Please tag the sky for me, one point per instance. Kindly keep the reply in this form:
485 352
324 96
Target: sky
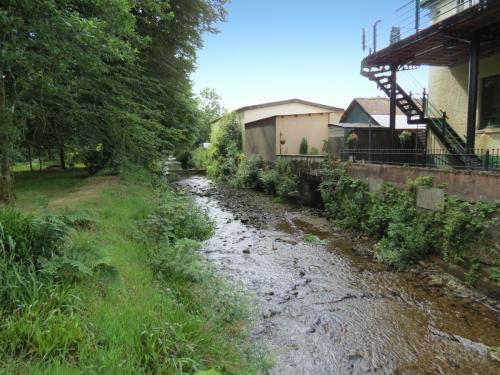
271 50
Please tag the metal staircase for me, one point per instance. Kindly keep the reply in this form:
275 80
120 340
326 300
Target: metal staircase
415 112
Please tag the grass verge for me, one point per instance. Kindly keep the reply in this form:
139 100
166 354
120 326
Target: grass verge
157 307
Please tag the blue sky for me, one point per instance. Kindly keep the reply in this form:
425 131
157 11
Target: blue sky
278 49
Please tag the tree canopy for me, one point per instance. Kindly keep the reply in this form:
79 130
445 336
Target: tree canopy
91 76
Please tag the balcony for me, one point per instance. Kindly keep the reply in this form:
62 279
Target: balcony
435 32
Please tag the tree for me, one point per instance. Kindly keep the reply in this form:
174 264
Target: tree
91 75
304 147
211 109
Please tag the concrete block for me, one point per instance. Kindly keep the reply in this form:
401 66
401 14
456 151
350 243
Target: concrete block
430 198
375 185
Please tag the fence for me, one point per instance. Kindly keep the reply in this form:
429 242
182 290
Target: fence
486 160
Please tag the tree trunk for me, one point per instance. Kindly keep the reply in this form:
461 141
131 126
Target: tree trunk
40 159
61 156
30 157
6 183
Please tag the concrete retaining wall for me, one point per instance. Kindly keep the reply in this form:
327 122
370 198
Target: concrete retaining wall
467 185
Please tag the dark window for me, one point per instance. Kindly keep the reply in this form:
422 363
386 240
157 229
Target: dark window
490 111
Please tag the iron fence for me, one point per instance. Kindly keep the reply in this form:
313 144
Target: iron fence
485 160
411 18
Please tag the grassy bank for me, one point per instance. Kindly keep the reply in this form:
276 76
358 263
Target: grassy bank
131 294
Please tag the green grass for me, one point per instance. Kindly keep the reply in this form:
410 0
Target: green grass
34 190
139 323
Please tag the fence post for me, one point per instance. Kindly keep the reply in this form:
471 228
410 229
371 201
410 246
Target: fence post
487 160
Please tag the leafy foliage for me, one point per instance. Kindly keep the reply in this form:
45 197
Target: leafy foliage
248 174
40 313
109 81
405 234
225 150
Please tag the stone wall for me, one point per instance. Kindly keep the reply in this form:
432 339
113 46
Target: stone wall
467 185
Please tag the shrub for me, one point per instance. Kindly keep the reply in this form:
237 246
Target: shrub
226 147
403 244
176 218
26 238
314 151
346 199
248 174
201 158
269 180
96 159
304 147
178 261
288 187
405 138
392 205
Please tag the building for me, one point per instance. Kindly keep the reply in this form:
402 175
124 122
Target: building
374 112
282 135
460 41
369 119
288 121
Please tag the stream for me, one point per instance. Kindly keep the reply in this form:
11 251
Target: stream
324 307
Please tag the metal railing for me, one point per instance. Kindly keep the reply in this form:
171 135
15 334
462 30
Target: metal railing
480 159
412 17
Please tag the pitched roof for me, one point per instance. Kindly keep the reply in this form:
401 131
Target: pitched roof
372 106
289 101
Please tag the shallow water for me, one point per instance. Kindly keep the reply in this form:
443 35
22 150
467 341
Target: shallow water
324 310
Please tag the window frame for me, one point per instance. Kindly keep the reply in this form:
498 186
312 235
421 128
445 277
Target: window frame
482 124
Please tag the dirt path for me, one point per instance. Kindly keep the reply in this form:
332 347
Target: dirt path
324 310
90 191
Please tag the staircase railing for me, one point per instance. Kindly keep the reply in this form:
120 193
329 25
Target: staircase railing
424 112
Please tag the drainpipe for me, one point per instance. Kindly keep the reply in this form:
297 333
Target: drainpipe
472 93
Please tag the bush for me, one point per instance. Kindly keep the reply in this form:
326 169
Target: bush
346 199
304 147
96 159
281 181
288 187
201 158
314 151
248 174
405 234
226 147
176 218
392 205
404 244
270 179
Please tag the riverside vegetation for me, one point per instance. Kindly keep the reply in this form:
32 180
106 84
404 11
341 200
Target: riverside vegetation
463 233
114 282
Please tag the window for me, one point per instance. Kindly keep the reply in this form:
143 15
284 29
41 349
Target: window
490 109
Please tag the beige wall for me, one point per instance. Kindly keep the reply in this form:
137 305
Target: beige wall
445 8
448 92
260 139
335 117
314 127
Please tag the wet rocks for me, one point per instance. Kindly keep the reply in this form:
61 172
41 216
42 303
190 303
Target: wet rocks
246 251
362 249
435 281
269 314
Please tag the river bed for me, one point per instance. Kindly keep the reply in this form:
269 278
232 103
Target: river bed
326 309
